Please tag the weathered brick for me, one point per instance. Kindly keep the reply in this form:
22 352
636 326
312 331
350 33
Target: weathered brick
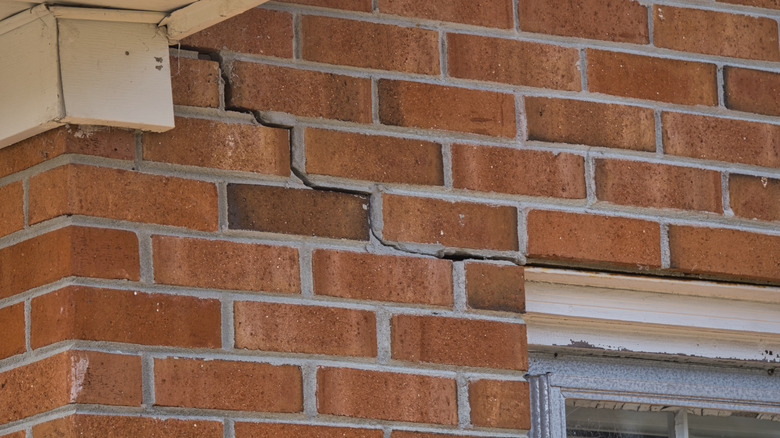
752 91
712 138
457 341
70 377
513 62
519 172
660 79
351 5
621 20
495 287
410 434
256 31
344 42
373 157
106 426
298 211
275 430
11 208
723 252
458 224
386 396
489 13
771 4
755 197
715 33
300 92
590 123
123 195
85 313
195 82
496 403
219 384
18 434
584 238
430 106
382 277
225 265
220 145
658 185
305 329
69 251
87 140
12 321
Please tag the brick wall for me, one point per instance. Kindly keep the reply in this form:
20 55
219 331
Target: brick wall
332 240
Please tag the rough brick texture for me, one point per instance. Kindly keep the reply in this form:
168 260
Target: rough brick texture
491 13
352 5
755 197
257 31
752 91
495 287
195 82
105 426
273 430
12 321
11 208
495 403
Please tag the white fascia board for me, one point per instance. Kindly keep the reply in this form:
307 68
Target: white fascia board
203 14
631 314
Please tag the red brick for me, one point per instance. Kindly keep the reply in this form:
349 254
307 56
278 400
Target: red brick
513 62
752 91
490 13
123 195
771 4
12 321
430 106
225 265
715 33
755 197
300 92
352 5
518 172
496 403
712 138
11 208
456 341
458 224
305 329
721 252
275 430
219 384
69 251
408 434
70 377
590 123
584 238
658 185
621 20
298 211
19 434
642 77
256 31
195 82
105 426
386 396
344 42
382 277
85 313
87 140
219 145
373 157
495 287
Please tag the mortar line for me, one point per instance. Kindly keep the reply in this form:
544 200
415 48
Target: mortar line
297 36
375 101
28 324
446 161
227 324
229 428
464 409
583 70
651 24
306 266
309 376
725 182
659 134
383 333
145 256
721 84
222 206
666 261
147 373
26 201
460 299
443 55
590 180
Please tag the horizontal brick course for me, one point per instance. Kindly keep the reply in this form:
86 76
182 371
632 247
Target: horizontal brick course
755 197
123 195
431 106
85 313
225 265
382 277
352 5
275 430
496 403
11 208
298 211
373 157
456 341
256 31
219 384
772 4
513 62
386 396
12 321
621 21
195 82
305 329
752 91
106 426
518 172
344 42
490 13
457 224
495 287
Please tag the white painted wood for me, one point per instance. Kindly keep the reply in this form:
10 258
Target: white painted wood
109 15
115 74
681 424
203 14
9 8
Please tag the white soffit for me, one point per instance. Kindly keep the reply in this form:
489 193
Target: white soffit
97 62
631 314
